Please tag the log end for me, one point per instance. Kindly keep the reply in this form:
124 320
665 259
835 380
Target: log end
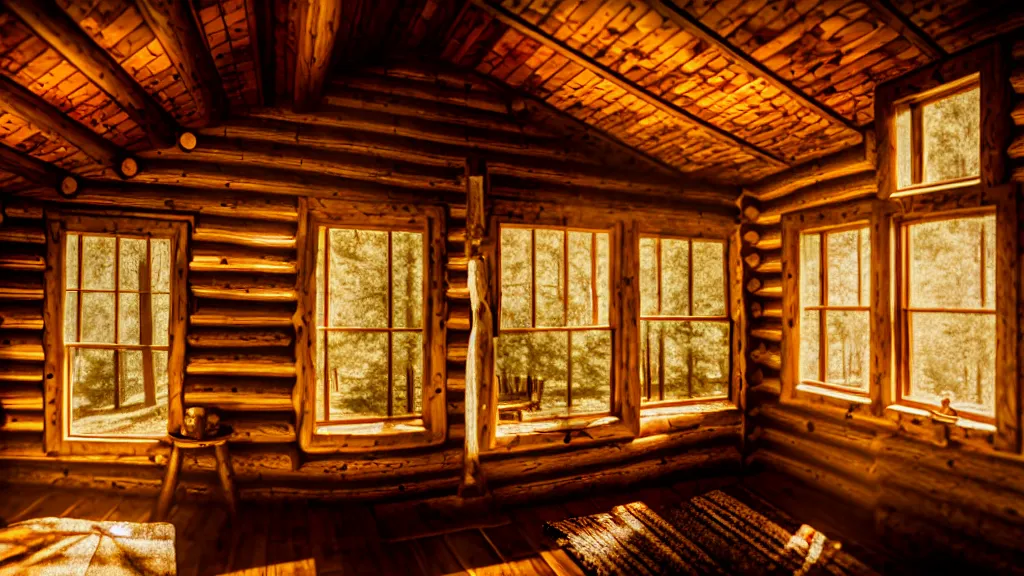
187 141
68 186
129 167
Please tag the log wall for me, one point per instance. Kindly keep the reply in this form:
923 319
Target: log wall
398 136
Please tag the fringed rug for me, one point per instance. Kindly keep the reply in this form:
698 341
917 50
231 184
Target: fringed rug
711 534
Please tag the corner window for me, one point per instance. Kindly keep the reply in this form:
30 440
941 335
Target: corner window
939 136
835 322
684 323
947 314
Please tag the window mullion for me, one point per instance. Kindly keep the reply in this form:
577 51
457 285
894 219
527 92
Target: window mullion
326 232
823 298
390 306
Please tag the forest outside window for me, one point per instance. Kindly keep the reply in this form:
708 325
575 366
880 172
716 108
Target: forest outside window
947 314
554 353
684 323
369 353
117 310
939 136
835 287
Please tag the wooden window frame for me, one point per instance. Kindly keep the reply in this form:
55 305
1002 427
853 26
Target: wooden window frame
365 435
57 437
724 318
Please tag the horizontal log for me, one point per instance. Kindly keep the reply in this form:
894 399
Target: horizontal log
770 332
853 465
459 316
457 263
21 372
225 203
860 158
995 469
1017 80
240 259
21 317
772 386
239 338
1017 114
764 240
231 315
242 395
21 397
457 292
826 481
830 192
458 351
265 428
1016 149
244 288
15 444
266 235
456 379
22 261
765 287
378 85
240 365
16 207
21 421
768 355
765 262
766 309
22 234
21 346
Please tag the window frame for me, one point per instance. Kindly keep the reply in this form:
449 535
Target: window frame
57 434
725 317
365 435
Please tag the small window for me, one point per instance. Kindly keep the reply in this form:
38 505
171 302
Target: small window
116 335
554 354
369 352
684 324
939 137
835 320
948 315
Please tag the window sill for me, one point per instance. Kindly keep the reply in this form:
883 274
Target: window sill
559 433
361 437
916 415
831 395
655 420
937 187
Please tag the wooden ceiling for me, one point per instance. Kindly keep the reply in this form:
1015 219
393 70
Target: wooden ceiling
726 91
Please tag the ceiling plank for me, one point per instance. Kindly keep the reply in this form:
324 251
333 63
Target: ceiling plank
905 27
530 31
174 25
694 26
38 172
56 28
20 101
318 25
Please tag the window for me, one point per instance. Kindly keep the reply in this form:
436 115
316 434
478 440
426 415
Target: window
369 350
554 353
117 310
947 313
835 287
939 136
684 324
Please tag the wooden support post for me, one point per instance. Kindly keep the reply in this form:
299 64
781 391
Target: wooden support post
146 329
317 29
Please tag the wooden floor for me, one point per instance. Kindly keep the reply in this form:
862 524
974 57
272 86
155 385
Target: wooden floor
406 538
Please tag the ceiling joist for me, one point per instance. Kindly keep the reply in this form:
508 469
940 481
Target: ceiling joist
51 121
56 28
905 27
38 172
318 25
860 158
530 31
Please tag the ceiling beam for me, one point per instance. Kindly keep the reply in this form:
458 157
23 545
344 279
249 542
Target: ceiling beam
698 29
18 100
905 27
174 24
860 158
318 25
530 31
56 28
38 172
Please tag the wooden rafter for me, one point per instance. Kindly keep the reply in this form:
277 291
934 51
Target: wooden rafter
18 100
905 27
56 28
860 158
174 25
317 30
698 29
530 31
38 172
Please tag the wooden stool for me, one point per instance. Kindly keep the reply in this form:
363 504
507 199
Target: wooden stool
224 470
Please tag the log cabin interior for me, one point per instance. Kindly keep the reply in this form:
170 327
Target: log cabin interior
511 286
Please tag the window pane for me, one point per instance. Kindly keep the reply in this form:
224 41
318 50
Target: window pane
98 317
675 277
582 281
945 262
843 273
160 263
98 262
603 279
990 262
94 389
358 288
161 318
865 266
407 279
810 270
953 355
710 344
407 370
318 360
133 254
952 137
542 356
650 358
648 276
810 342
358 373
129 321
591 371
904 159
71 261
516 278
849 348
693 358
550 278
708 278
71 316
